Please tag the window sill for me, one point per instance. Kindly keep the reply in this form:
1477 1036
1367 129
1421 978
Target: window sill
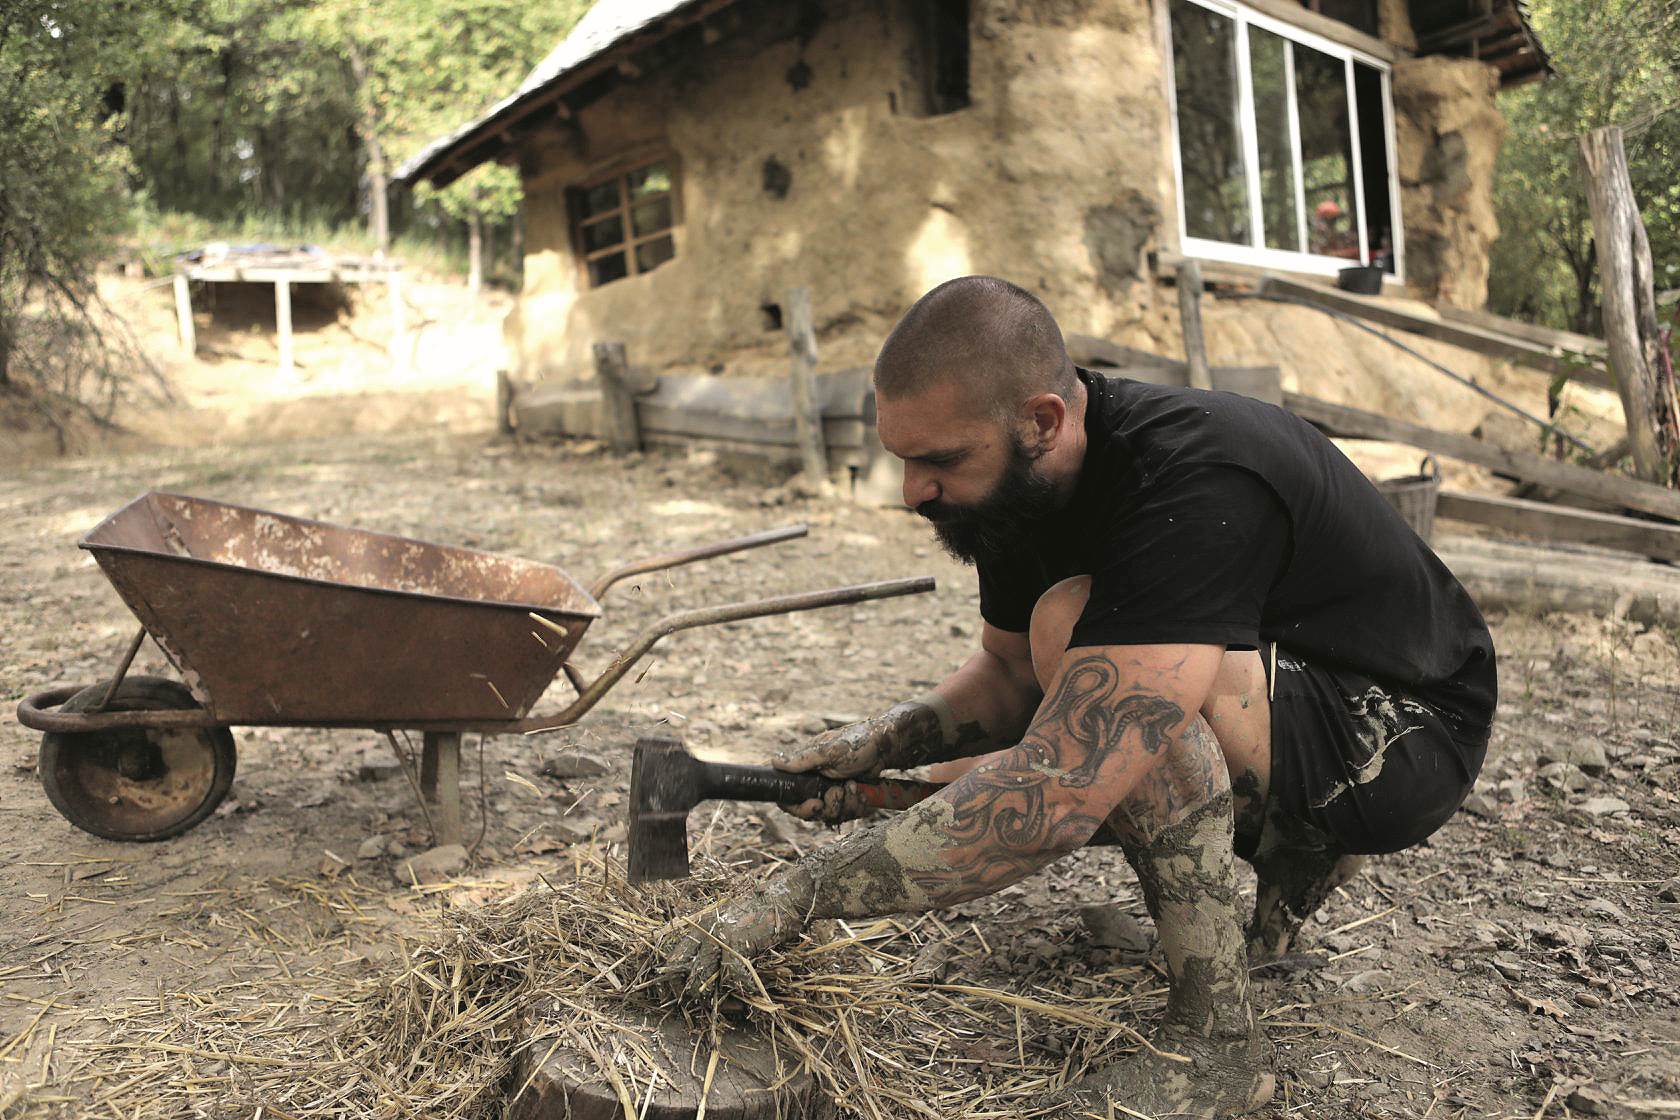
1238 275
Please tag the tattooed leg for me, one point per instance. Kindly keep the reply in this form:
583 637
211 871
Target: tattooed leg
1177 829
1298 866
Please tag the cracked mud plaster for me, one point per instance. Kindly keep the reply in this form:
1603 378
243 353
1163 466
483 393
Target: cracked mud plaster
1213 1060
1384 722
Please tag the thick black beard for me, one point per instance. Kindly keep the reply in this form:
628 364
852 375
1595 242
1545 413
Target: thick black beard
1000 523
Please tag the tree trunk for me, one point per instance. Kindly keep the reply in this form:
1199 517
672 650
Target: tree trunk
475 254
379 180
1631 328
5 352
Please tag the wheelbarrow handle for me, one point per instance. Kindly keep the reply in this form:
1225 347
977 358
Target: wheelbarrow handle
732 612
690 555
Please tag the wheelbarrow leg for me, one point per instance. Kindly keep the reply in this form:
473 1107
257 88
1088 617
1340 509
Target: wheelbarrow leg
440 783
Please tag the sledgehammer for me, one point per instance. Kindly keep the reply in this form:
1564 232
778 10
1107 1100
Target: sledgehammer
666 782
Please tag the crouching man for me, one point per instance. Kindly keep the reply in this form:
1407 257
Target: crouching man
1202 625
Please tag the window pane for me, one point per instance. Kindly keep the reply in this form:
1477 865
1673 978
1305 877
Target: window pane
651 217
651 254
1277 155
1209 143
603 234
607 269
1326 153
600 198
653 179
1373 155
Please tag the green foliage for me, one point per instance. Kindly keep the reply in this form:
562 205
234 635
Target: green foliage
62 195
1617 64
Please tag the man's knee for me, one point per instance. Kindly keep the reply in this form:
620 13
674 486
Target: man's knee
1052 624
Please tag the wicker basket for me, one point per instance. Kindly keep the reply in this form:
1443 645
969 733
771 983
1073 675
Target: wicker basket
1415 495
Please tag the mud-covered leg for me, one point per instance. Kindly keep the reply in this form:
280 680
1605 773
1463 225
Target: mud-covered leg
1297 866
1178 832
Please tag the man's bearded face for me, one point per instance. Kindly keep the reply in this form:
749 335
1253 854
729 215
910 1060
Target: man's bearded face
1003 520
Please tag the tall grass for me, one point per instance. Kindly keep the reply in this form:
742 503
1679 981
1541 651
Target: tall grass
156 237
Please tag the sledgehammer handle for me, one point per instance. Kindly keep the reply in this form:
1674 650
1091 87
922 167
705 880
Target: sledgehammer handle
727 782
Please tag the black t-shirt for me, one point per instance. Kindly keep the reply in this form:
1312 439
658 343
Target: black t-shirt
1213 519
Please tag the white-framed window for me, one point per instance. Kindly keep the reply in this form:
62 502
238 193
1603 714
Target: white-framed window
1283 143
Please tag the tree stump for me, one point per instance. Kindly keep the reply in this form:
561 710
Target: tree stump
750 1081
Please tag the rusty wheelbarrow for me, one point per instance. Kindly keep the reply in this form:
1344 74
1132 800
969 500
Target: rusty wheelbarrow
280 621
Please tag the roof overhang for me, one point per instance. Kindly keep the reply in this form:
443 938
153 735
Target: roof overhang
603 45
1497 32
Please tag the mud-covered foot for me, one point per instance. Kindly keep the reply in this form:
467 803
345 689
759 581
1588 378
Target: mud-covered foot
1286 900
1223 1077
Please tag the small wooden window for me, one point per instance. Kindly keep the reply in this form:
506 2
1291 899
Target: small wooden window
626 224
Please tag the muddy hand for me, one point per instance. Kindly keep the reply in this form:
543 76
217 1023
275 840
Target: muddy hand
712 952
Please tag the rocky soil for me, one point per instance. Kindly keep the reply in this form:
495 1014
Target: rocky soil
1525 963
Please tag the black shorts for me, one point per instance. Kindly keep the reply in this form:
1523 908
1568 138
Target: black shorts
1373 768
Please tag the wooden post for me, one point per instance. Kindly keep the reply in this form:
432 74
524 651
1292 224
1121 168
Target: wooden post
440 783
807 417
283 323
183 314
1626 278
1190 313
618 403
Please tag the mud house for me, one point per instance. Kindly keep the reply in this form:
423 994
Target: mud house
686 162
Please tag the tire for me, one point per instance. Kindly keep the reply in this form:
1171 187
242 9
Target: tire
137 784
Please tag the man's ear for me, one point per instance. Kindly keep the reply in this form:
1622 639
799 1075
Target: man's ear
1045 419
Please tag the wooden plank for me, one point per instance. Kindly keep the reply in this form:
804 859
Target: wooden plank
1537 580
618 403
1294 14
1190 318
440 783
807 420
1566 341
1387 313
1544 522
1353 423
183 314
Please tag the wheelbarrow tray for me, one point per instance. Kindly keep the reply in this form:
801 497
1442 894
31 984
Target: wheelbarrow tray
273 619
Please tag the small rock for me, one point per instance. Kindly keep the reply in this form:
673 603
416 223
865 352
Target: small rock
372 848
1112 928
575 831
1587 1102
1368 981
1508 967
1481 805
831 721
1588 754
377 771
813 725
1564 776
1600 806
574 764
1670 892
434 866
1604 908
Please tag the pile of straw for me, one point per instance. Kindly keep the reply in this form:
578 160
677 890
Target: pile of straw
898 1018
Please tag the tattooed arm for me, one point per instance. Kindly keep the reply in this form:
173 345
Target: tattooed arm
1109 715
982 706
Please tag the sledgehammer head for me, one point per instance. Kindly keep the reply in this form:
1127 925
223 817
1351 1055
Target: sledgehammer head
665 783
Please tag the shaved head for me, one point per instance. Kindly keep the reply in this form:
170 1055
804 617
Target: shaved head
994 339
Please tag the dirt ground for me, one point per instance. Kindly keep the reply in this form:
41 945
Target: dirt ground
1525 963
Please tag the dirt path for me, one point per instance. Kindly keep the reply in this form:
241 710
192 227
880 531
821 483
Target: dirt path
1528 959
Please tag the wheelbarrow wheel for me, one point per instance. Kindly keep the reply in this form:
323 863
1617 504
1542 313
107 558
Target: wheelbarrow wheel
137 783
